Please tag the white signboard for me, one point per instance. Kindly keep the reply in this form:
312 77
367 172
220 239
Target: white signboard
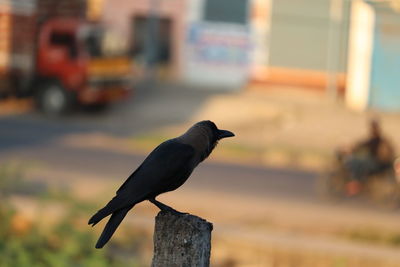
217 54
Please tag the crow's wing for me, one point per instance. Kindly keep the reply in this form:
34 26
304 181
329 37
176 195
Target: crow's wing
165 162
169 160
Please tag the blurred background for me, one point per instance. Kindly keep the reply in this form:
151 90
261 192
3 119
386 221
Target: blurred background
89 87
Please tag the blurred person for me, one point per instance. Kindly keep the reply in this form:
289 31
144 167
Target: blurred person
370 156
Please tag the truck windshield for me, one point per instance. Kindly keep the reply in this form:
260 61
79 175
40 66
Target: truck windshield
66 40
102 43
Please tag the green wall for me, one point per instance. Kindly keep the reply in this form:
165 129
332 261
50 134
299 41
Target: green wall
299 34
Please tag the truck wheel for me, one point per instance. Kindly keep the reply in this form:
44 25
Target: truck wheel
53 100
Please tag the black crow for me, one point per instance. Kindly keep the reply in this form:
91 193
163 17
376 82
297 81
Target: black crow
165 169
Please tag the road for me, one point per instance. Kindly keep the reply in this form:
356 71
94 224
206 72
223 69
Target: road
223 177
31 136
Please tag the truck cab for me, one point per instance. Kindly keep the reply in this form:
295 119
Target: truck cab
73 65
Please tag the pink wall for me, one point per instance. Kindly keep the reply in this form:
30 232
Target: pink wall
119 13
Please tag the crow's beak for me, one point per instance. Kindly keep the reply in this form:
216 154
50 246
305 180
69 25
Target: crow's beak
224 134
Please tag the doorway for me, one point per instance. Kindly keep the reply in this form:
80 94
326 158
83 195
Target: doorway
151 44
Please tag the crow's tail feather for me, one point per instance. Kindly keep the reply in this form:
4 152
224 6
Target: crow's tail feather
104 212
111 226
115 204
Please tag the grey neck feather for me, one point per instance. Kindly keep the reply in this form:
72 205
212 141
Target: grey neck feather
200 138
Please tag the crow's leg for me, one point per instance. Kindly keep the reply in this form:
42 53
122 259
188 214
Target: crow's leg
164 207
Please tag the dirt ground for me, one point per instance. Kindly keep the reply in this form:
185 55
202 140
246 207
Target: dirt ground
251 231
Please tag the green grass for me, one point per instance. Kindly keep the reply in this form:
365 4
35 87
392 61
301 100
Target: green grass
373 236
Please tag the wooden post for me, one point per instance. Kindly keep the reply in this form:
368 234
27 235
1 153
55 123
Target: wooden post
181 240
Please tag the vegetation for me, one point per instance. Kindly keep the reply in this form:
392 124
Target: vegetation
374 236
66 242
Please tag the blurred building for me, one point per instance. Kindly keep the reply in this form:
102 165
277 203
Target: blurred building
233 42
308 42
199 41
230 43
218 42
151 27
374 56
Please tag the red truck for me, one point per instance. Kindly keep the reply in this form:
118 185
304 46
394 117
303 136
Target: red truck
60 61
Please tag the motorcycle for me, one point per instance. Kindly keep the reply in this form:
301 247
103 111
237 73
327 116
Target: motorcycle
382 188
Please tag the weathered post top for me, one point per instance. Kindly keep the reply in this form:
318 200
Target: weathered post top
181 240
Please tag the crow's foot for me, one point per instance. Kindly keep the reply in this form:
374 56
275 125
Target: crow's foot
166 208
